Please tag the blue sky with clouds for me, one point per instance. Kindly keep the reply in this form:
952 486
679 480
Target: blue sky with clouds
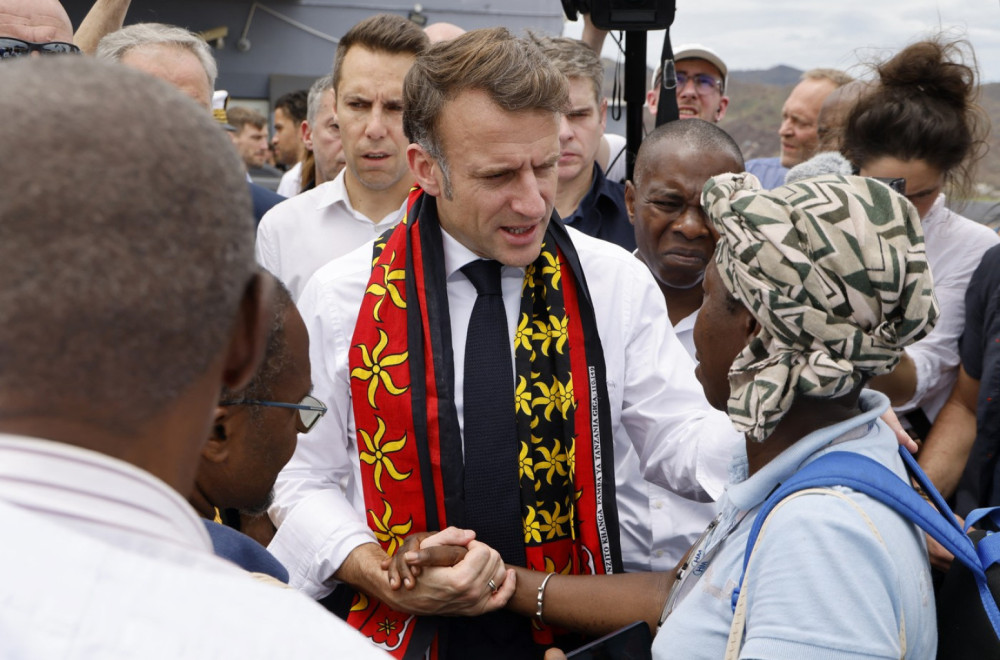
759 34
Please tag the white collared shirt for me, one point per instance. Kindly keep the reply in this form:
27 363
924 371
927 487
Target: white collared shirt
955 245
656 405
301 234
290 184
104 560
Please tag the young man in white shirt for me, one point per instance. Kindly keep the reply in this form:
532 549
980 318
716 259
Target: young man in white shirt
299 236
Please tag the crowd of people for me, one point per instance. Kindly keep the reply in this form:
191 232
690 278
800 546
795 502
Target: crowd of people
461 388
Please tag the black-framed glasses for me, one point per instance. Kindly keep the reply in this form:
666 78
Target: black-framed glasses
11 47
703 83
310 409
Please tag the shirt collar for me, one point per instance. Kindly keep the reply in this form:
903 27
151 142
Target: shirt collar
94 493
936 212
745 493
456 255
600 187
333 192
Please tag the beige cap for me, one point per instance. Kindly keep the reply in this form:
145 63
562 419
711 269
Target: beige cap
698 52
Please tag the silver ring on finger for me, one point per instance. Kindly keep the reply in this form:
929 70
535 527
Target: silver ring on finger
493 586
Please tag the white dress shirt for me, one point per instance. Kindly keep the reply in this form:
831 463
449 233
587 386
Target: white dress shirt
656 405
290 184
955 245
103 560
616 158
298 236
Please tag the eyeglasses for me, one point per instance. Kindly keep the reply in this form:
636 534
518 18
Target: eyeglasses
703 83
310 409
10 47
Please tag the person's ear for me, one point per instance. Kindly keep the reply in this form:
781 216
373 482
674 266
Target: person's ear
630 201
248 338
306 134
751 325
216 450
652 96
425 169
721 112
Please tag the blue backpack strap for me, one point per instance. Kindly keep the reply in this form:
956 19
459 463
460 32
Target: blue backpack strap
862 474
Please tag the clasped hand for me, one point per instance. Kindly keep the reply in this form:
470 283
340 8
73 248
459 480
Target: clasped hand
448 572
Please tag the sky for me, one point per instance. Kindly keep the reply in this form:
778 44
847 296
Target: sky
759 34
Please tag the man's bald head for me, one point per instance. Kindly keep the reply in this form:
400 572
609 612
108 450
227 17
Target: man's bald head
438 32
124 258
704 136
39 21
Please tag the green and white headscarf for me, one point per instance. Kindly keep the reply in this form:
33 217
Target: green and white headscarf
834 270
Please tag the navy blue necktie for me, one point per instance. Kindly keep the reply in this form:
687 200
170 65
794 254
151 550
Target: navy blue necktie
492 492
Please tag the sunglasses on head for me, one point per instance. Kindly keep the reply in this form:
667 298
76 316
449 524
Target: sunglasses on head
11 47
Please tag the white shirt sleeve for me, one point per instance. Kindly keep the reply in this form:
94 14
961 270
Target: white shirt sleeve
318 505
266 245
955 246
683 444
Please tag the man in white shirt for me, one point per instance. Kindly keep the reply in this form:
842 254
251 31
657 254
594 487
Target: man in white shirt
289 113
298 236
132 298
396 397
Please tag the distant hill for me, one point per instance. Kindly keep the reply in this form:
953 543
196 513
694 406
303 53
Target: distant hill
754 115
778 75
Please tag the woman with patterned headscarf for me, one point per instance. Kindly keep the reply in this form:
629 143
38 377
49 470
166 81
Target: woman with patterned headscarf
816 287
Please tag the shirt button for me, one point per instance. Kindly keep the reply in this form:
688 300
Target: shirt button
657 504
658 553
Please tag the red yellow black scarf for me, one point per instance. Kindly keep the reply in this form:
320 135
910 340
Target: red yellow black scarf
408 434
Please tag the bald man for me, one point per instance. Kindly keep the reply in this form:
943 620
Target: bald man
37 21
798 130
45 22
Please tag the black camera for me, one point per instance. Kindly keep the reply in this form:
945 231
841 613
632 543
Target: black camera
624 14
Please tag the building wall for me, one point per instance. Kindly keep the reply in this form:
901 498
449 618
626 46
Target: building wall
275 49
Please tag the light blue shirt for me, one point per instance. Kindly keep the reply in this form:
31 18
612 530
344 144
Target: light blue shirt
822 584
770 171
